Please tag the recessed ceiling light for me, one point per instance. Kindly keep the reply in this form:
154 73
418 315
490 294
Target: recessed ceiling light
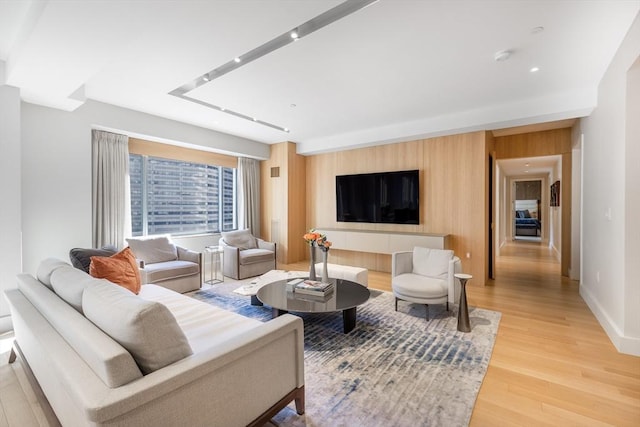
206 77
334 14
286 129
502 55
526 164
526 171
536 30
534 69
293 105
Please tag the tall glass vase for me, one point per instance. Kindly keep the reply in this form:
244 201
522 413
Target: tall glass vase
325 272
312 262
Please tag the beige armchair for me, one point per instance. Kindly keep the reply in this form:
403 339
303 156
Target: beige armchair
246 255
425 276
167 265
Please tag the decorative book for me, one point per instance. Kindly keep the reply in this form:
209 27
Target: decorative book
313 287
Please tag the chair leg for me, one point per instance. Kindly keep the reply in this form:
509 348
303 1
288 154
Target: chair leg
447 305
396 303
427 307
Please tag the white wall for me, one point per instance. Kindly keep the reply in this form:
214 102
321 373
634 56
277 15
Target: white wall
632 205
605 285
10 213
554 214
576 210
56 169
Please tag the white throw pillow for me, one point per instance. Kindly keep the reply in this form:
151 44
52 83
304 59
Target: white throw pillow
153 249
241 239
147 329
431 262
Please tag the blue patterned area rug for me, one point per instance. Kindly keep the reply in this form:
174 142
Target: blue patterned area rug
393 369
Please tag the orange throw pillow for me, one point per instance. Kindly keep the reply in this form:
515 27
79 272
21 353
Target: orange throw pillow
121 269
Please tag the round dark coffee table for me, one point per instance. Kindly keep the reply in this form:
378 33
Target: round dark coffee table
346 296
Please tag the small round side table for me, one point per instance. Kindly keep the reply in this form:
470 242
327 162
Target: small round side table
463 312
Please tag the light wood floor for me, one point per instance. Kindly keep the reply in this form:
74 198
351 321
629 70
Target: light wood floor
552 363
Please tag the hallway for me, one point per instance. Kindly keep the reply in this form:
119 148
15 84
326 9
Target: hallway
552 363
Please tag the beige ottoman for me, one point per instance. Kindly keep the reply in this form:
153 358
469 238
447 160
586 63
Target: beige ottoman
355 274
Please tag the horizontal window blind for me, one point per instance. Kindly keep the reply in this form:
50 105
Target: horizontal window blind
180 197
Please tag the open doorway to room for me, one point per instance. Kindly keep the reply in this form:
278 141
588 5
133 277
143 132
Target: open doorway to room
524 207
527 221
541 152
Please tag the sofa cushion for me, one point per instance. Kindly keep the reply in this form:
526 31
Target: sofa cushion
241 239
81 258
253 256
120 268
45 269
146 329
417 286
170 270
69 283
204 325
431 262
153 249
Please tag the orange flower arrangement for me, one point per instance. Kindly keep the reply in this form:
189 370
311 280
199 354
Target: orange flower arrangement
323 243
311 237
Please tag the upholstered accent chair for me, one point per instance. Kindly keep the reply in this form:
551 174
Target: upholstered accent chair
166 264
246 255
425 276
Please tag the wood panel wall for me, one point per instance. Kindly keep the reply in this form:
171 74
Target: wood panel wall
546 143
453 194
283 202
168 151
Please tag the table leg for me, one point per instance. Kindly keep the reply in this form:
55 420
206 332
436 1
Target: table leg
349 319
463 312
275 312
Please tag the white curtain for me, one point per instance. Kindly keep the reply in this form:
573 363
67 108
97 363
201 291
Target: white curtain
111 200
249 195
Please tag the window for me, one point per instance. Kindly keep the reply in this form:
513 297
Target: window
180 197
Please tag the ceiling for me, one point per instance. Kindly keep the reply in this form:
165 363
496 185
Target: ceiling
392 71
530 166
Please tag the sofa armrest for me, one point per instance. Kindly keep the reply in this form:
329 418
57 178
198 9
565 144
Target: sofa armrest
401 262
266 363
231 259
263 244
189 255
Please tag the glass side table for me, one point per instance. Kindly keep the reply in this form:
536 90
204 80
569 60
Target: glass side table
215 256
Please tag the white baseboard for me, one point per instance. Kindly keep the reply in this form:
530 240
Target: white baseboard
624 344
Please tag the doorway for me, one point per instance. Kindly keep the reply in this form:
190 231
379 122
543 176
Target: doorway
527 215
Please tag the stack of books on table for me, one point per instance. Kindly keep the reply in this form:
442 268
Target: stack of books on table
313 287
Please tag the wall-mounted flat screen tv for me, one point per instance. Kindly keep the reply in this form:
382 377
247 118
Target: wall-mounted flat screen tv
384 197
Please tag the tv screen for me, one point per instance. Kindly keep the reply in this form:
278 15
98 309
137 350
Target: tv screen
384 197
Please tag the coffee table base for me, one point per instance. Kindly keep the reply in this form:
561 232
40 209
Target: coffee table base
348 318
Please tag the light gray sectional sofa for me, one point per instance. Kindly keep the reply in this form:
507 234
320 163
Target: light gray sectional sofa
105 356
